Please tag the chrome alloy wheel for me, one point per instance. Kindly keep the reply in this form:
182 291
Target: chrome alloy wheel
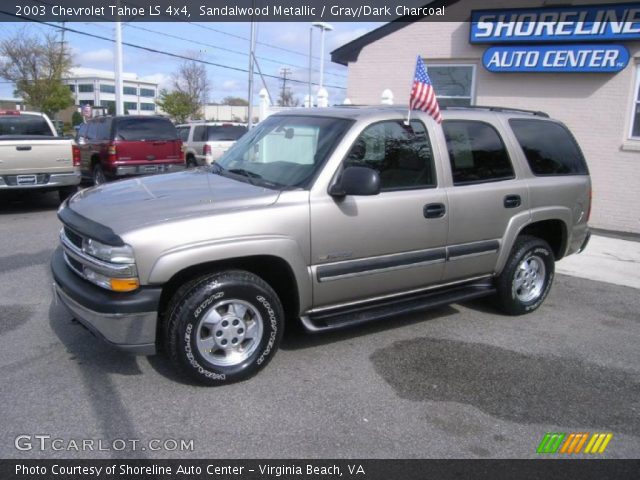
229 332
529 279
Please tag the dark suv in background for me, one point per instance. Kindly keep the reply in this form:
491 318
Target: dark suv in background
121 146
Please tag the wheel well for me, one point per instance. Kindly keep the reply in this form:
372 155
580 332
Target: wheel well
554 232
273 270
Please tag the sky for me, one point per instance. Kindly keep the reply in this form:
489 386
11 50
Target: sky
279 45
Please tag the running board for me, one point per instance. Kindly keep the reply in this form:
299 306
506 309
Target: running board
392 307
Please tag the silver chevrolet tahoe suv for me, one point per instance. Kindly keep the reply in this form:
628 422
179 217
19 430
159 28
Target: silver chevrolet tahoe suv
330 217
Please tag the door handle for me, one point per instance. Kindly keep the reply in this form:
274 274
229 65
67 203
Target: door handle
23 148
434 210
512 201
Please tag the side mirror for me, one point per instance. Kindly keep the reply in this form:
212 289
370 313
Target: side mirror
356 181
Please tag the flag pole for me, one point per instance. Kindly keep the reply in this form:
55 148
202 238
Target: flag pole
408 120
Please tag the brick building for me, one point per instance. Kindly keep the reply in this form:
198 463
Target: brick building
602 108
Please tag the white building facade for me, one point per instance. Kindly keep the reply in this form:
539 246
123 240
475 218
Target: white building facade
601 107
97 88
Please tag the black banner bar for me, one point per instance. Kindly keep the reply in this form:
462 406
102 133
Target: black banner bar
543 468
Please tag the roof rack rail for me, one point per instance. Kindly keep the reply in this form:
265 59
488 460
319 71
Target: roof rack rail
498 109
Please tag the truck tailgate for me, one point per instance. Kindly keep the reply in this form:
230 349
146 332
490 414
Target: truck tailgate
35 156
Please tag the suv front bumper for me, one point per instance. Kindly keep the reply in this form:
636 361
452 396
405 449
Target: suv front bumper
124 320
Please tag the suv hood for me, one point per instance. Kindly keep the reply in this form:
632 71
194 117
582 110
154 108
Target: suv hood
129 204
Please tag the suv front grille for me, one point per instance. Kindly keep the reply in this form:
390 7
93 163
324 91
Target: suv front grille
73 237
78 260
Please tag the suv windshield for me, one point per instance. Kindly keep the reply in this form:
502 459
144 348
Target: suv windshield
136 129
24 125
284 150
226 133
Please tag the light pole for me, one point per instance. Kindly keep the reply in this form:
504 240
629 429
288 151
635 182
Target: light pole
323 27
118 69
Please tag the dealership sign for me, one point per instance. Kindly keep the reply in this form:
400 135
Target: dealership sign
556 58
611 22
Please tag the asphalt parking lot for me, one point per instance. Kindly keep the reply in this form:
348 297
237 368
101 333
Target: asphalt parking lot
456 382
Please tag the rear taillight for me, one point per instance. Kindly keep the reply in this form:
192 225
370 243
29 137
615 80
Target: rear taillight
206 150
75 153
112 153
9 112
590 203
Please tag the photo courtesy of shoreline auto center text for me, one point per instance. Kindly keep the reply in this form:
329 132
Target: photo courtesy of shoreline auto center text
319 239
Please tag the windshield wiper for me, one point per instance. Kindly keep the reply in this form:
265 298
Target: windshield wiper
217 168
251 176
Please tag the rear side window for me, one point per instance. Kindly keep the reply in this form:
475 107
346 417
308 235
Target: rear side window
226 133
92 130
183 133
24 125
104 129
199 134
549 147
476 152
136 129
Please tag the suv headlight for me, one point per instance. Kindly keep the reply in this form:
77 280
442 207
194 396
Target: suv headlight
108 253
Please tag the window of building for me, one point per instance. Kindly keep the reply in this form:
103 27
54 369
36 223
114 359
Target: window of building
147 92
72 87
635 113
130 106
148 107
476 152
401 155
549 147
86 102
454 84
104 88
85 88
129 90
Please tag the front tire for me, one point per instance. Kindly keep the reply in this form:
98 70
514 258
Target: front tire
527 277
223 327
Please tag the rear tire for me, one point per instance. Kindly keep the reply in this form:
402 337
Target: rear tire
191 162
527 277
223 327
98 175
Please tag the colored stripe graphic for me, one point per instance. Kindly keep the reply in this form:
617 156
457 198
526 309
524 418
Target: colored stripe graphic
551 442
598 443
572 443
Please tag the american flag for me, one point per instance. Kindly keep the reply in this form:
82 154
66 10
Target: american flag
423 96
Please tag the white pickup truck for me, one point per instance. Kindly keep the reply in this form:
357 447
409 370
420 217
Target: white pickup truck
33 157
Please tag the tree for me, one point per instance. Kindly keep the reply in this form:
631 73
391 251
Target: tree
178 105
234 101
76 119
192 82
36 66
287 99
